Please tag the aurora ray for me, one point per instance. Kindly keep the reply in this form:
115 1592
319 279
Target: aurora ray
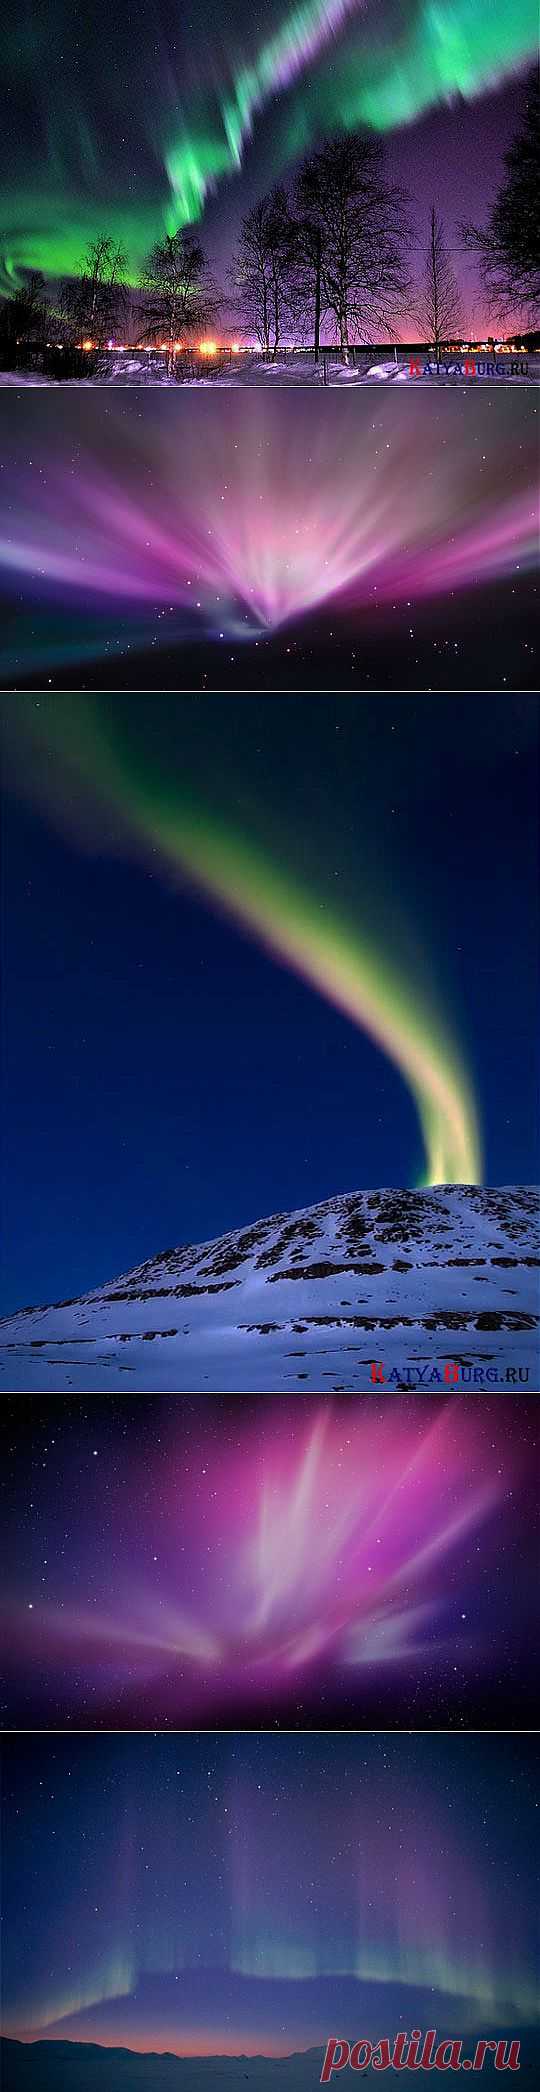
434 53
235 1894
427 56
152 152
411 1507
336 955
242 525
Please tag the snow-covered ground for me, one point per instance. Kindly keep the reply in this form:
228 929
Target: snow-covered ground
140 369
309 1300
60 2066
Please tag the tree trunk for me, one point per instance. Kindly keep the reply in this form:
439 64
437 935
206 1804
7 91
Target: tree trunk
318 297
276 322
266 328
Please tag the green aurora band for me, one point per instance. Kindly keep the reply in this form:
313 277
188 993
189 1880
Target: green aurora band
302 930
336 67
442 51
446 50
50 234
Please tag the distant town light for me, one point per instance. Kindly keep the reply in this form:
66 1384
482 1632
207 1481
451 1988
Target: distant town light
208 348
88 345
235 346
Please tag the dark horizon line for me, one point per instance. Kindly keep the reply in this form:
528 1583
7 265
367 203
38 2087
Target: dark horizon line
176 2055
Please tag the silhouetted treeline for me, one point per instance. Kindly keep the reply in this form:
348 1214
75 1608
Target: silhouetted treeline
331 250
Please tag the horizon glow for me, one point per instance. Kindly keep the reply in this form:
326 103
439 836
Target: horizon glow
253 1890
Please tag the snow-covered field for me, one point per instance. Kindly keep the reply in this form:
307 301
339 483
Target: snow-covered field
140 369
60 2066
309 1300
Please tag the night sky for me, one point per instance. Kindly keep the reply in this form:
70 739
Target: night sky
161 1567
259 950
133 123
244 1893
247 542
215 913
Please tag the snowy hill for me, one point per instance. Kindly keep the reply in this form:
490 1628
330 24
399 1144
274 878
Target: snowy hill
309 1299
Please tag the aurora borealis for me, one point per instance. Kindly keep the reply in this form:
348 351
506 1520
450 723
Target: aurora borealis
267 962
143 124
237 1894
162 1569
183 546
270 942
333 955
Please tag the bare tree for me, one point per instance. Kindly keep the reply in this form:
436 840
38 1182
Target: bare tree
179 298
23 319
439 311
308 251
92 303
261 268
509 246
359 275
